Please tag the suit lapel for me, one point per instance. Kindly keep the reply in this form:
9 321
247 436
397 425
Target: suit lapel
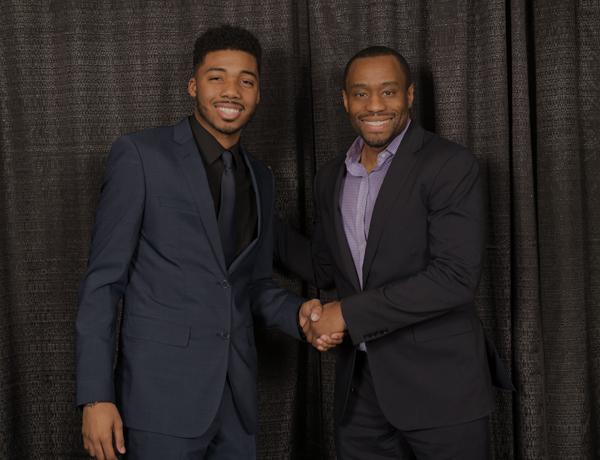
400 167
343 247
195 174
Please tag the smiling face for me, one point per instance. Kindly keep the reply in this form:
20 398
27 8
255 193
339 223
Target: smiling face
225 87
377 98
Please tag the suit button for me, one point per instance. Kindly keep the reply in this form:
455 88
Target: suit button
223 334
224 284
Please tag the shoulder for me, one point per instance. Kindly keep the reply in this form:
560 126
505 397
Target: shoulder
441 153
149 137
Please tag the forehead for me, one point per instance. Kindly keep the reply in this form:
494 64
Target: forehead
375 70
229 60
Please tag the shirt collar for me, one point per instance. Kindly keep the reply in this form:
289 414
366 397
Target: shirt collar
209 147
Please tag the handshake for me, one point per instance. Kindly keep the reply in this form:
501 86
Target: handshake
323 325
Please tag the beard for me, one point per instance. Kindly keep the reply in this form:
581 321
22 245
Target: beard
371 140
377 143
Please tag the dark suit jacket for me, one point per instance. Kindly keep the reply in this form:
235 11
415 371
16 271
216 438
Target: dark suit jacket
187 319
427 349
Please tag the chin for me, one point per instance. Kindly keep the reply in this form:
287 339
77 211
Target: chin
377 142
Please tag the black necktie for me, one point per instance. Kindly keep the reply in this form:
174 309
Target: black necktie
227 208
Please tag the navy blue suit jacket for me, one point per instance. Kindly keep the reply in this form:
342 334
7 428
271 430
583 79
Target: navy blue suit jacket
187 319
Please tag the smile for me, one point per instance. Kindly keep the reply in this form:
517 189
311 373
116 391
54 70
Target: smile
229 111
376 123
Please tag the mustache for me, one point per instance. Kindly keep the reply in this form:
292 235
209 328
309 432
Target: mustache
229 101
376 114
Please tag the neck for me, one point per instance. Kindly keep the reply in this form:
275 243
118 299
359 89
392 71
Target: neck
226 140
368 156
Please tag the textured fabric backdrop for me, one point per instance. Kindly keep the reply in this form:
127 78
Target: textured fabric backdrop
515 81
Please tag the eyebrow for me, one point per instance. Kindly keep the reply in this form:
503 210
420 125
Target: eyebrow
221 69
364 85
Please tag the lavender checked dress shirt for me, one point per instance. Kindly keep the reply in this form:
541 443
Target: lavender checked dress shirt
357 200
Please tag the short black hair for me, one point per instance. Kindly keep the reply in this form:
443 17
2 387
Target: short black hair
374 51
226 37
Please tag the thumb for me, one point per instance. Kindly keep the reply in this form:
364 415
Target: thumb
119 438
317 310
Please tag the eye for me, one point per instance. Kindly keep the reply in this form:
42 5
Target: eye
215 78
248 83
360 94
388 92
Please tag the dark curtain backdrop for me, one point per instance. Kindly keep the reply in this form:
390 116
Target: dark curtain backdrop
516 81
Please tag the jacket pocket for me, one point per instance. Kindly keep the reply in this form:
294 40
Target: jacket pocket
156 330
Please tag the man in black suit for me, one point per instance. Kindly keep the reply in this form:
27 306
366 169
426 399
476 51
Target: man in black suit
183 234
399 232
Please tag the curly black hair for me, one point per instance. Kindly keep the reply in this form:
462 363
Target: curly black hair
374 51
226 37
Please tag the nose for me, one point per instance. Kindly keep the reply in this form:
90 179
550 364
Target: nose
230 89
375 103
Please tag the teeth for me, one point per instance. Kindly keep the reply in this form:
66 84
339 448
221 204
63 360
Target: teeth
376 123
229 110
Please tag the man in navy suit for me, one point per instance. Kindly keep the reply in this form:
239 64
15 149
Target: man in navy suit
399 233
183 234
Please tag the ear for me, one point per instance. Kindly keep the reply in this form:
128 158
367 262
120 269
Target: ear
345 97
410 95
192 91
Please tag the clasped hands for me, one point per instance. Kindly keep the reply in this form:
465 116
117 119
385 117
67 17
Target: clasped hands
323 325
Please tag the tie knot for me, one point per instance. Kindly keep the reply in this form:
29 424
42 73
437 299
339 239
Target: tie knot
227 157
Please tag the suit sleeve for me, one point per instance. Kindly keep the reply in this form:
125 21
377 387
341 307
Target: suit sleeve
272 306
321 255
309 258
455 240
114 240
292 250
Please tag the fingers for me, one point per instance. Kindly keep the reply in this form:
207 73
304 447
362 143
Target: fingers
317 332
119 438
91 446
100 421
98 452
326 342
107 448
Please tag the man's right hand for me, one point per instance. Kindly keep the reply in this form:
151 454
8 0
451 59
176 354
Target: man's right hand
101 421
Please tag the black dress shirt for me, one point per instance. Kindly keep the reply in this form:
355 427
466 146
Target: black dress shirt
245 198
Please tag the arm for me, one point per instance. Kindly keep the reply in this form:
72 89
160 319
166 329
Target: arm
114 239
272 306
321 255
292 250
455 239
306 257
